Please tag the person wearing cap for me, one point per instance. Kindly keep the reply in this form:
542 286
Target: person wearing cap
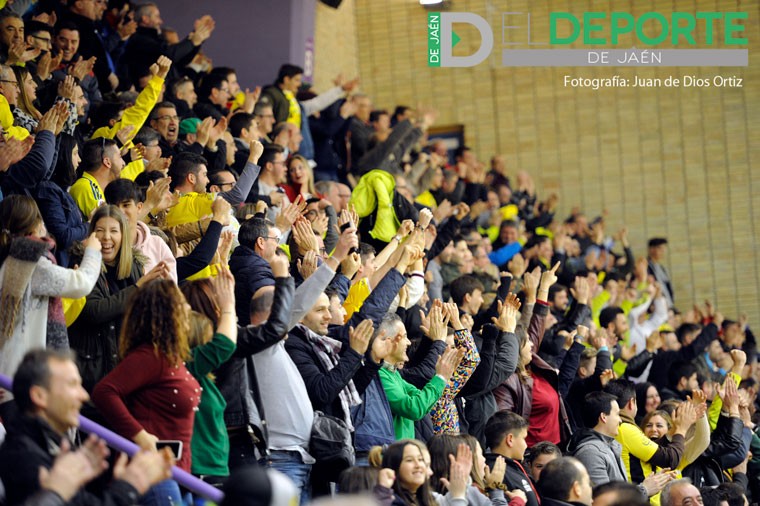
188 130
658 247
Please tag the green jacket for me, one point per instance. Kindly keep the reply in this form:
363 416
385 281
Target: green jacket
210 444
408 403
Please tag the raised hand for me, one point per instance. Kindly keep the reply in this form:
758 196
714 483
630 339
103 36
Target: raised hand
493 478
220 209
426 216
451 311
581 291
280 266
225 290
161 67
517 266
225 246
82 68
530 284
508 316
359 337
447 363
684 417
350 265
459 472
309 265
436 324
304 236
290 213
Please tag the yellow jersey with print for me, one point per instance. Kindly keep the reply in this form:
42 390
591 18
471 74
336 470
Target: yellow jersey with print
190 208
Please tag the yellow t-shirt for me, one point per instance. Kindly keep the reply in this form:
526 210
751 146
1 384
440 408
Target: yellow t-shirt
638 449
190 208
87 193
357 294
294 111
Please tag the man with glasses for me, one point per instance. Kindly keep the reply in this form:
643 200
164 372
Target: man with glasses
221 181
265 115
39 36
9 86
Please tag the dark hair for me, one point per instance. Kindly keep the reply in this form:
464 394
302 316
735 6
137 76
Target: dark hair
146 135
554 290
183 164
34 370
268 155
641 393
459 152
624 390
216 178
288 70
464 285
657 241
201 295
680 370
594 404
209 82
93 153
64 24
104 113
558 477
608 315
375 115
122 190
19 216
541 448
31 27
156 315
501 424
685 329
239 121
626 494
64 173
393 456
251 230
223 71
440 447
732 493
357 480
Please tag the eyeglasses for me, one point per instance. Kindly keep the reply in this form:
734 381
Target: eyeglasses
43 39
15 83
275 238
222 185
167 118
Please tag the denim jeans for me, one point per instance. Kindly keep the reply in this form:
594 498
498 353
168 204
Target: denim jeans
165 493
291 465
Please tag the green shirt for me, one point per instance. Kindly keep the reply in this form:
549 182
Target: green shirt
408 403
210 444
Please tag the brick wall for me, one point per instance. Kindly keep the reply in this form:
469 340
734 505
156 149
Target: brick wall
673 162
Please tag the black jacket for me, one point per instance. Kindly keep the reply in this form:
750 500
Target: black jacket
146 45
251 272
516 477
90 44
237 379
95 333
29 445
726 444
324 385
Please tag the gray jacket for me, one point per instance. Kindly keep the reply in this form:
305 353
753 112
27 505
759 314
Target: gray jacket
600 454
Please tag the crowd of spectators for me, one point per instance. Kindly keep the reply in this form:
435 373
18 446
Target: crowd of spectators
297 297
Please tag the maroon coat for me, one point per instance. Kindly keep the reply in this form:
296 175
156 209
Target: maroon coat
517 395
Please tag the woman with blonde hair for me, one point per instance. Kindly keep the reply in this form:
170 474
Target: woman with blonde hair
300 179
94 334
26 115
